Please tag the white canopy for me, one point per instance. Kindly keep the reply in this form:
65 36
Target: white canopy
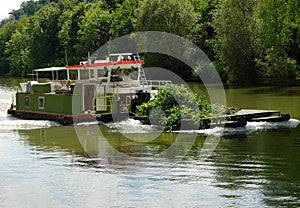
50 69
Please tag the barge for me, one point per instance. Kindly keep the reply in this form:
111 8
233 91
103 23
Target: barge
106 90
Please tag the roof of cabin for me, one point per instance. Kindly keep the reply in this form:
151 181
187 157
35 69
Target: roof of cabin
50 69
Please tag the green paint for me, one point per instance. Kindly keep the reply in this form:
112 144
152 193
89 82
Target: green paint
60 103
52 103
41 88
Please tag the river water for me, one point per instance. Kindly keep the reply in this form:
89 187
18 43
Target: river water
43 164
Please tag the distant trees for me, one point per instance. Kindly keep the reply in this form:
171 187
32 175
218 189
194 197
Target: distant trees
172 16
17 49
258 38
34 43
280 38
6 32
70 24
235 26
205 33
123 18
246 39
94 30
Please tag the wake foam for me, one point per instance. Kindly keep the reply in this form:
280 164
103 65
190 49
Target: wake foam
262 126
18 124
133 126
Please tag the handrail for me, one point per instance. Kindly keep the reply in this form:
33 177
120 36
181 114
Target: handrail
106 98
158 83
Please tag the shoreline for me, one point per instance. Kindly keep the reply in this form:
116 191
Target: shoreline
256 83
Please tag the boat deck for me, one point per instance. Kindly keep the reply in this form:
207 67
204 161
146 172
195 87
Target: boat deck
251 115
249 112
248 115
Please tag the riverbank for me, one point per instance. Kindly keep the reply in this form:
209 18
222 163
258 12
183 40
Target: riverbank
278 82
255 83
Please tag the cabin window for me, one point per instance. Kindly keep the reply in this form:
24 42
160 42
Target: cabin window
128 101
92 73
73 75
84 74
41 103
26 102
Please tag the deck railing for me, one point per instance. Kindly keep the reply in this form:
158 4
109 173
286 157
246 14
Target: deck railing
158 83
102 103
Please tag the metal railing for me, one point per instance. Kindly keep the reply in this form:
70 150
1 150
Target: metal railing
107 102
158 83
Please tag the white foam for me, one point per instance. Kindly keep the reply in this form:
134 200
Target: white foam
134 126
217 131
249 128
19 124
262 126
292 123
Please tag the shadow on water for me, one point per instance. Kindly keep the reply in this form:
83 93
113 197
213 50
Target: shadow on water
276 91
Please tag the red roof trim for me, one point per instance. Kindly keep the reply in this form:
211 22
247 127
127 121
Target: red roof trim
109 63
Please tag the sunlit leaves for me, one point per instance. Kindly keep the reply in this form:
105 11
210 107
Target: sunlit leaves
123 18
94 28
234 23
70 22
173 16
18 51
245 37
280 38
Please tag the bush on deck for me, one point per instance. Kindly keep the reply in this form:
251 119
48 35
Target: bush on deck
177 103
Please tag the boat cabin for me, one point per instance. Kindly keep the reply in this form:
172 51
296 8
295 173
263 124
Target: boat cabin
115 85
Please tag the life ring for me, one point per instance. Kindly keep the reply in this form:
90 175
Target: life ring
125 85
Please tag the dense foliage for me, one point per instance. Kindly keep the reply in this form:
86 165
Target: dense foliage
175 103
246 39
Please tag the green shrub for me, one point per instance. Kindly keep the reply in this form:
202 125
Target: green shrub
179 104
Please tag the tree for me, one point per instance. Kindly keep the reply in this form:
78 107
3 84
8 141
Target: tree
294 46
18 50
236 34
94 28
279 19
43 29
6 32
113 4
205 32
172 16
123 18
29 7
35 43
70 22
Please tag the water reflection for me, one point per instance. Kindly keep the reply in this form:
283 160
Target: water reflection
267 162
112 147
244 167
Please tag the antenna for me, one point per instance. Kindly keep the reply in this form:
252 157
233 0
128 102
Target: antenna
66 55
89 58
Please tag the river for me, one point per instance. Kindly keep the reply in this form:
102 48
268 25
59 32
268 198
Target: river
43 164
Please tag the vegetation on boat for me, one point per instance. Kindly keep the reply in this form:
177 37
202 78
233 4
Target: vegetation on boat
179 104
246 39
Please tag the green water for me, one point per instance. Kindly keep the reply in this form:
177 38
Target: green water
43 164
285 99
